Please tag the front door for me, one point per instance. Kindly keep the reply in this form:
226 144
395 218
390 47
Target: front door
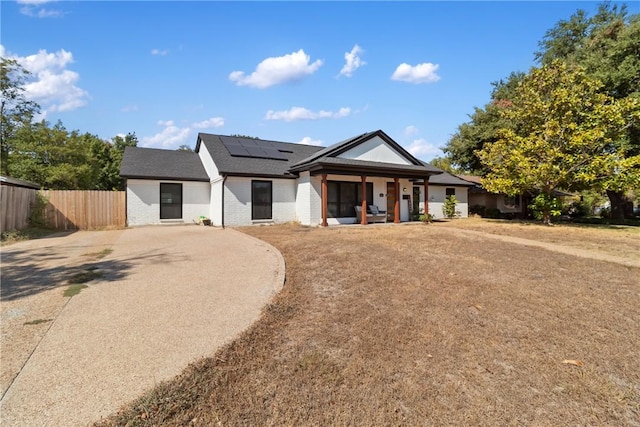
391 201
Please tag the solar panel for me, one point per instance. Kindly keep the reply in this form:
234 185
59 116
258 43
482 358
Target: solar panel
242 147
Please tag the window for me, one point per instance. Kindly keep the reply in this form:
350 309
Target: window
170 201
512 201
261 199
450 192
343 197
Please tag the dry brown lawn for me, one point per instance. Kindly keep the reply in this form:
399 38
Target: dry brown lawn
417 325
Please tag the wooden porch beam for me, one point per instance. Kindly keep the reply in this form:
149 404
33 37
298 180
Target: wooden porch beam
325 199
396 208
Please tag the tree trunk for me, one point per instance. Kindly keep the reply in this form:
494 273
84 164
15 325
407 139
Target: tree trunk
621 205
546 217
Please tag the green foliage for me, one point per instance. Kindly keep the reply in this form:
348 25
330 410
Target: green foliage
482 129
445 164
107 157
449 206
544 207
184 147
426 218
15 109
37 212
564 134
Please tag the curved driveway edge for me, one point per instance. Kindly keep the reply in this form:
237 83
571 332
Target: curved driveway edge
168 296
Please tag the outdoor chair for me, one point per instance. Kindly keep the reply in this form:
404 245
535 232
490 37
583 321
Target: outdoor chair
373 214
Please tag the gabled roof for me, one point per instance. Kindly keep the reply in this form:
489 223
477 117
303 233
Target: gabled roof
328 160
254 166
153 163
15 182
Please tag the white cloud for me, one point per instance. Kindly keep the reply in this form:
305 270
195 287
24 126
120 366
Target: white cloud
159 52
51 85
213 122
32 8
169 137
129 108
307 140
411 130
301 113
421 73
421 148
33 2
353 61
276 70
173 136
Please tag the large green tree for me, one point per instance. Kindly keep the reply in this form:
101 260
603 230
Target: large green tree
107 157
482 128
607 46
15 109
564 133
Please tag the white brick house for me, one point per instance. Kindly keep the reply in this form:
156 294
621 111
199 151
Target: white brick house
242 181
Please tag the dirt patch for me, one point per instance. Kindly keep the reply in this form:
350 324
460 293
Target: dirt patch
417 325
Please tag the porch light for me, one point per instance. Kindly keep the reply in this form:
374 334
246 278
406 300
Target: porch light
404 189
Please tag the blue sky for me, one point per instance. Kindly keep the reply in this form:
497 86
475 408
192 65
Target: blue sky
311 72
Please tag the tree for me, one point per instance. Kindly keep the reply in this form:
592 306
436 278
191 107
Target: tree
482 128
108 158
184 147
445 164
565 133
607 46
15 109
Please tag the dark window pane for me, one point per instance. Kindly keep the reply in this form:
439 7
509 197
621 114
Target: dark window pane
170 201
261 198
450 192
343 197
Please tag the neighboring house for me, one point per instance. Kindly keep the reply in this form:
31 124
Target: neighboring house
242 181
443 185
15 182
482 200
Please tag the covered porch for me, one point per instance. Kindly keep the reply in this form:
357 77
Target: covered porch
380 194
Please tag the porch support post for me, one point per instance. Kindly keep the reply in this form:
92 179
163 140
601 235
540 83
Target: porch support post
363 216
325 199
426 196
396 208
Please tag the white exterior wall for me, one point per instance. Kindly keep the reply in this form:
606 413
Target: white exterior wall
309 199
237 201
209 166
215 204
143 201
437 194
375 150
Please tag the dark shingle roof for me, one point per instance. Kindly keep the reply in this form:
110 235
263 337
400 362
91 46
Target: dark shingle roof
153 163
445 178
15 182
249 166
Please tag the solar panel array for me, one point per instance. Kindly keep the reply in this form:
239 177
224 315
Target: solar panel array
245 147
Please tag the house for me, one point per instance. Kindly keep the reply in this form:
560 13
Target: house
237 181
483 202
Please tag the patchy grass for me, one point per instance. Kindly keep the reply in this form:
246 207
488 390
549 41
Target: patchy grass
99 254
415 325
73 290
37 321
9 237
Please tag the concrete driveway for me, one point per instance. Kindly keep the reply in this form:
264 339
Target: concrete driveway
163 298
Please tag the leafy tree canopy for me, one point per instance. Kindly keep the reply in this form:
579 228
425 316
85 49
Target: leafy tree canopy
564 133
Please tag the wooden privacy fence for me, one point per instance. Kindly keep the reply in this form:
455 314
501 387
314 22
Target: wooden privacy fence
84 210
15 206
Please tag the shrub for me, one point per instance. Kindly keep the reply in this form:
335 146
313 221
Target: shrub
449 206
36 214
